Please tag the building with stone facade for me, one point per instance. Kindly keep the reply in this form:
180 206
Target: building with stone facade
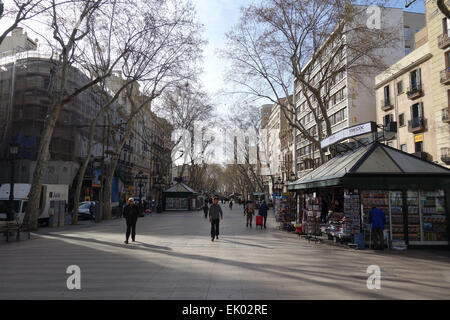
351 101
414 92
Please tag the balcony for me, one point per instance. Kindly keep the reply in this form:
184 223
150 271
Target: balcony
445 155
446 115
416 125
386 105
445 76
443 41
414 92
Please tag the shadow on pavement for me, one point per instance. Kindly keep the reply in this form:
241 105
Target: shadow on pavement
142 245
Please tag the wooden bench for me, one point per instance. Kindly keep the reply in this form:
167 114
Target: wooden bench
13 226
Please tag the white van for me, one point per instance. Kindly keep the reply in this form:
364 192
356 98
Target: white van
52 202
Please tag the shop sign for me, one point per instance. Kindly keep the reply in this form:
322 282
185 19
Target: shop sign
346 133
418 138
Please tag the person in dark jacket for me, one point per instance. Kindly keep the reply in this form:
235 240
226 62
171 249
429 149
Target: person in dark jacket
131 213
92 211
263 212
205 209
231 204
215 214
378 222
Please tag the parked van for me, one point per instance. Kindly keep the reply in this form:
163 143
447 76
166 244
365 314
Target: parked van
52 202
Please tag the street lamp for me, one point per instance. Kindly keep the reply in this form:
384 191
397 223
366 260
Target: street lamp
159 185
140 177
13 151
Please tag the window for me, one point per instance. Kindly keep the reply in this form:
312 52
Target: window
414 79
399 87
447 60
417 110
403 147
418 146
401 120
387 99
387 119
445 27
406 33
407 51
390 144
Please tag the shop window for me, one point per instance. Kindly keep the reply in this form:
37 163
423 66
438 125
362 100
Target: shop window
403 147
434 218
401 119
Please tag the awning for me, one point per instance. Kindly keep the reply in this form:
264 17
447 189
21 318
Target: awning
375 166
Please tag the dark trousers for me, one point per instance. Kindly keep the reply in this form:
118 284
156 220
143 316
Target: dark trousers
131 228
378 238
215 227
206 213
265 219
249 219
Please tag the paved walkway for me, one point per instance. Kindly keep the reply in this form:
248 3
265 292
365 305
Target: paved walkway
174 258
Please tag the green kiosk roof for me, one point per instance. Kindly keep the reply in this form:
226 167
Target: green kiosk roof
376 166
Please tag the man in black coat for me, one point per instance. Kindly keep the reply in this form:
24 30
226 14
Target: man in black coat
130 213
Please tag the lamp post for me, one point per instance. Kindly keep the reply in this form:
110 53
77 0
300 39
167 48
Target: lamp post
140 177
13 151
159 185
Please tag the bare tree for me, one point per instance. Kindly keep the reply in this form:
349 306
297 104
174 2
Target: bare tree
278 43
19 11
172 50
110 34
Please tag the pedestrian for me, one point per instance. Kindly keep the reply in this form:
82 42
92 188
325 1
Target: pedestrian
378 222
324 210
205 209
215 214
92 211
249 212
263 211
231 204
131 213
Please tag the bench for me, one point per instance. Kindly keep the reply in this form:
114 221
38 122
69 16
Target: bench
13 226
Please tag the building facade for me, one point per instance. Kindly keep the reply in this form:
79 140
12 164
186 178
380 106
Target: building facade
351 100
415 93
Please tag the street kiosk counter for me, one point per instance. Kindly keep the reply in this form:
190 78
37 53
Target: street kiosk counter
413 193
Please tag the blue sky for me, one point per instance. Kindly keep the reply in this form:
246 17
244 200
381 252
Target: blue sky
219 16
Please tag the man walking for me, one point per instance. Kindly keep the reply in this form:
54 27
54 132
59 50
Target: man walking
205 208
377 221
263 212
215 214
131 213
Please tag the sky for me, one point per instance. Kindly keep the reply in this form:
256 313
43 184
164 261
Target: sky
218 17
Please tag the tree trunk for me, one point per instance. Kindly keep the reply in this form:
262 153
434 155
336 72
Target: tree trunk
33 211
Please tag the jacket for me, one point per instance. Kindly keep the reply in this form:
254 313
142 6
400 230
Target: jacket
377 218
263 210
215 212
131 212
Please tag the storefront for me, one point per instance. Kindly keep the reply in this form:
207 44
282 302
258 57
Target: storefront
180 197
413 193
